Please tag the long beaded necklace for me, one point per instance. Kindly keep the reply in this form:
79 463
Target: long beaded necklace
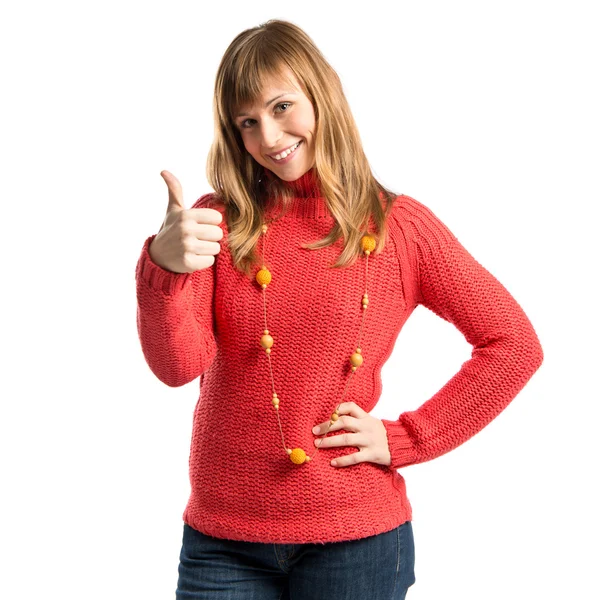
263 277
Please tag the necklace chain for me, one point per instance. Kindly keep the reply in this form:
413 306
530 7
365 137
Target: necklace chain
263 278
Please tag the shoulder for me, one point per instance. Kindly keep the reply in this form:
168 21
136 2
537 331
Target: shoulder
423 224
210 200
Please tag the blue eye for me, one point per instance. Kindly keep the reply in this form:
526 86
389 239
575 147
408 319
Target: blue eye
242 124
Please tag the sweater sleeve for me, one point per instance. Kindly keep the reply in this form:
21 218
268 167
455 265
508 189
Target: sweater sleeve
506 350
175 317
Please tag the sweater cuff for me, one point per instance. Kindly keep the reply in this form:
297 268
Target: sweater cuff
156 277
401 445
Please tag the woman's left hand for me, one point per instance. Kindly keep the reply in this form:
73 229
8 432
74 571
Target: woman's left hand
368 434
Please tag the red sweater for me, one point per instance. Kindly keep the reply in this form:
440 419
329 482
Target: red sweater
208 324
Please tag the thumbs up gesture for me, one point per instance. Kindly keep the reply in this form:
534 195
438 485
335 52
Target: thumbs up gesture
188 239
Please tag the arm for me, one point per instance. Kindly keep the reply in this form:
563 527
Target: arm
506 350
175 318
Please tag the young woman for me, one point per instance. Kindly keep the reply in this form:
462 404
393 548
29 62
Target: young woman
294 485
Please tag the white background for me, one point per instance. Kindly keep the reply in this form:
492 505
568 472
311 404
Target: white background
487 112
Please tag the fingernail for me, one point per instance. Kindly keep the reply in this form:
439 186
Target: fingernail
315 429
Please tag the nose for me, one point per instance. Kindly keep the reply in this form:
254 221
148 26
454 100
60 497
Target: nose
270 134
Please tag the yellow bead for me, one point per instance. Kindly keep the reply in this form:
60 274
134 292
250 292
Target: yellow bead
275 401
368 243
266 341
263 277
298 456
334 416
264 228
356 359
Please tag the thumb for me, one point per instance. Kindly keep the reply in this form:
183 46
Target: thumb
175 191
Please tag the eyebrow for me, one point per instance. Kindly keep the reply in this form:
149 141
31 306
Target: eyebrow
266 104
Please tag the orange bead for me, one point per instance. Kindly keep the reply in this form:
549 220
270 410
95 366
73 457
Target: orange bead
266 341
298 456
368 243
263 277
356 359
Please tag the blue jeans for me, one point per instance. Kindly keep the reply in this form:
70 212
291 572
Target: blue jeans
378 567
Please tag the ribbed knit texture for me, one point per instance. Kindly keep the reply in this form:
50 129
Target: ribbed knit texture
208 324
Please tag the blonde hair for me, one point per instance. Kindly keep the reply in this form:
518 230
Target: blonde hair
351 192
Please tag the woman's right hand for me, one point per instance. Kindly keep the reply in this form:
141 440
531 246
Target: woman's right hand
188 239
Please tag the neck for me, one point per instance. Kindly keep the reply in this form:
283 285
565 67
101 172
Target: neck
308 200
306 186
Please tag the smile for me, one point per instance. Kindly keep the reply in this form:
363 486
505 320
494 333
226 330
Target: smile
281 158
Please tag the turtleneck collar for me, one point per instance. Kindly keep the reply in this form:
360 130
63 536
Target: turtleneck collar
308 200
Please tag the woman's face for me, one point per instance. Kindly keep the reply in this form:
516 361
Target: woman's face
281 118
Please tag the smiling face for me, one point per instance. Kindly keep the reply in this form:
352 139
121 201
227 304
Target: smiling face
281 118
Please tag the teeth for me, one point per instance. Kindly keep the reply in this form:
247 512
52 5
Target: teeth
284 154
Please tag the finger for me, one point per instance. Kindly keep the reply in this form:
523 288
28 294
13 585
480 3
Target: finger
347 460
344 439
325 427
205 247
198 262
207 232
353 409
208 215
346 422
175 191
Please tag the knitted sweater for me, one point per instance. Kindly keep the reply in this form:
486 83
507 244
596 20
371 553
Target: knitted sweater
208 324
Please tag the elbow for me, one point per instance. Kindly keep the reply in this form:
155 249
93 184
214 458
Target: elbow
528 353
171 375
538 353
177 377
520 352
532 347
175 381
524 345
181 370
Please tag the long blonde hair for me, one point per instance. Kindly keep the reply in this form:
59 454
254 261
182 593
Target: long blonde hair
351 192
